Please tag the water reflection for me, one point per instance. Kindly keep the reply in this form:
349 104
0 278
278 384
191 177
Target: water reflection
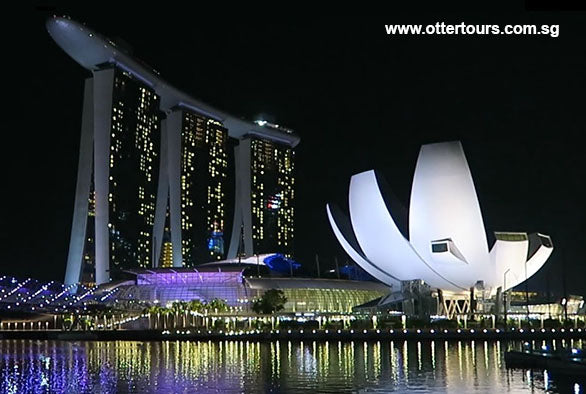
282 366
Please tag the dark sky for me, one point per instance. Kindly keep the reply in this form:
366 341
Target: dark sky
358 98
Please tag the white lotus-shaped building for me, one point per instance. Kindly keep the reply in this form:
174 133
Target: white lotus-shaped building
442 239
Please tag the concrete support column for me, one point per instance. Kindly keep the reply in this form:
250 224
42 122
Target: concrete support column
173 132
243 204
82 192
162 195
102 112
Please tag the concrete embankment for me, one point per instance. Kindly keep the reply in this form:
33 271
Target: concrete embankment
305 335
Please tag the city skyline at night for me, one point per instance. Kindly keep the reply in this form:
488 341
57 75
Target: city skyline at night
204 202
358 98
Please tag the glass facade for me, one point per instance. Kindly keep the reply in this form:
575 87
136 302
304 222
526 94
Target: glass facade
272 196
303 295
89 255
507 236
204 173
166 257
327 300
439 248
133 173
180 285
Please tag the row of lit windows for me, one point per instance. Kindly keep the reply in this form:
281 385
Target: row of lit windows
200 137
272 163
136 122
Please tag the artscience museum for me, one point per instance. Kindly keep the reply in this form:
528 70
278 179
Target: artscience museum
441 238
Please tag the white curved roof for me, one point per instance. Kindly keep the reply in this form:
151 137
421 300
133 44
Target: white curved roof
381 274
447 245
91 50
379 236
444 206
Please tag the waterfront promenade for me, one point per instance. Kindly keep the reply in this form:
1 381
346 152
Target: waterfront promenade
311 334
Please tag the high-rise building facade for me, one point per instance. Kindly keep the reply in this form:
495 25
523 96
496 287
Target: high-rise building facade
166 253
133 171
264 206
194 186
272 191
88 270
204 160
118 176
157 179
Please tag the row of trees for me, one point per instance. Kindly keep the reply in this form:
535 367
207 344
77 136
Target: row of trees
195 312
183 311
107 317
179 314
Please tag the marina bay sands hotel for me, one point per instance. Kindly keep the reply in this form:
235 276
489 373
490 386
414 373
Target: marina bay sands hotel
162 177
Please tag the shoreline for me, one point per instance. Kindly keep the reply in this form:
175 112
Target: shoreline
186 334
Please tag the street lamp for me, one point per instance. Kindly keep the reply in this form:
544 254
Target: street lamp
505 296
527 295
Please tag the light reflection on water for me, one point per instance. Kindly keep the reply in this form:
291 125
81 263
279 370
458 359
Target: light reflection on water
281 366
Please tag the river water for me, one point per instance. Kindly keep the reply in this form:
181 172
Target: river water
32 366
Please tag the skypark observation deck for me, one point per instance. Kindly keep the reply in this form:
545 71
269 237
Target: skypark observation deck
92 50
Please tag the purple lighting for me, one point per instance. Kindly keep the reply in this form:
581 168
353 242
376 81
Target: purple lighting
174 277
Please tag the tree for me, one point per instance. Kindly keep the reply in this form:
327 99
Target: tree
150 311
108 314
272 301
155 310
196 306
165 312
217 305
67 322
179 307
86 323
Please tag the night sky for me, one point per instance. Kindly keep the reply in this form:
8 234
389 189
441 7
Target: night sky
358 98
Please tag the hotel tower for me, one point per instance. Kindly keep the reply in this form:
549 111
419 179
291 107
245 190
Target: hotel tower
163 177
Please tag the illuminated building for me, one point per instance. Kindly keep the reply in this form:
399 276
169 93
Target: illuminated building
88 259
445 242
238 290
166 258
117 176
167 255
193 186
133 171
153 148
264 210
